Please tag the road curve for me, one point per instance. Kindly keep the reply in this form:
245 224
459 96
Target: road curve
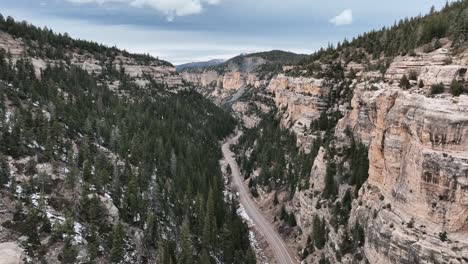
272 237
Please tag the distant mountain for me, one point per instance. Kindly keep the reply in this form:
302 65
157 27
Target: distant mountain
270 61
260 61
273 56
200 64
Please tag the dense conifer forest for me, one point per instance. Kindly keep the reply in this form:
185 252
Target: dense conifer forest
153 152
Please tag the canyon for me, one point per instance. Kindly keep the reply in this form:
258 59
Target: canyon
357 153
417 190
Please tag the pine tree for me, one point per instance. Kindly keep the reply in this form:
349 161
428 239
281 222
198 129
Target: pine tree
331 189
4 170
164 255
186 253
227 243
132 199
117 250
250 258
204 257
210 228
319 232
69 252
87 171
31 230
150 231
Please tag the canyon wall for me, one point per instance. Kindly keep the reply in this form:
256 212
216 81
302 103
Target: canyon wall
414 206
417 190
159 72
418 174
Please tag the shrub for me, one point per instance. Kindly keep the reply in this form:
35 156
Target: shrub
437 88
352 74
437 44
443 236
421 84
404 82
456 88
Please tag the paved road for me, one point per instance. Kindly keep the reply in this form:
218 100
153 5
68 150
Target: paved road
274 240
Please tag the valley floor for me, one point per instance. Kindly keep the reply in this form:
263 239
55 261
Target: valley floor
267 231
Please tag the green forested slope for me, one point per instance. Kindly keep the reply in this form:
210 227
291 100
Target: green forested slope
152 152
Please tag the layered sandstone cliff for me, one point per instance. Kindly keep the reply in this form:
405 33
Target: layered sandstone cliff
159 72
414 206
438 66
300 101
418 154
230 80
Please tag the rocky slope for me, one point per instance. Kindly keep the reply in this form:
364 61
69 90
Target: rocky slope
160 71
223 81
417 187
413 205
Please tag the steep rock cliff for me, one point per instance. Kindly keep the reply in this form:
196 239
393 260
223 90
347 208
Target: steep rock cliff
418 172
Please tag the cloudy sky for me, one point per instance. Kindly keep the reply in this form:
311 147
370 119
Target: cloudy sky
193 30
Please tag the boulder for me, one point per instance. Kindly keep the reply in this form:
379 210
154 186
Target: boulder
11 253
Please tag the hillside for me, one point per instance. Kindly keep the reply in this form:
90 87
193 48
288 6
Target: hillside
199 65
253 61
358 152
106 157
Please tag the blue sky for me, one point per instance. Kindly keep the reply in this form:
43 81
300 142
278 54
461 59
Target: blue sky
193 30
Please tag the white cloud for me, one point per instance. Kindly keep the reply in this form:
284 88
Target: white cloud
344 18
170 8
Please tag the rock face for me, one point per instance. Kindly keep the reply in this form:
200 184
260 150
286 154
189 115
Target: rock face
442 74
439 66
418 156
230 80
301 98
11 253
226 90
417 190
301 101
405 64
160 72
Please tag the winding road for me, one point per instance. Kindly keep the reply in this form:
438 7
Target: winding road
272 237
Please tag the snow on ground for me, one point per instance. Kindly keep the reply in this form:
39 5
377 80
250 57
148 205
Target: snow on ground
253 240
35 199
243 214
8 115
228 194
78 228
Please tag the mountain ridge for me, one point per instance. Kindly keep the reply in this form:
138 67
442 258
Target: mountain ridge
199 64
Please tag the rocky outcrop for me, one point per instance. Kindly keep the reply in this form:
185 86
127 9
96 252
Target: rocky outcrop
226 89
417 189
301 101
203 79
418 153
439 66
402 65
230 80
160 72
442 74
11 253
